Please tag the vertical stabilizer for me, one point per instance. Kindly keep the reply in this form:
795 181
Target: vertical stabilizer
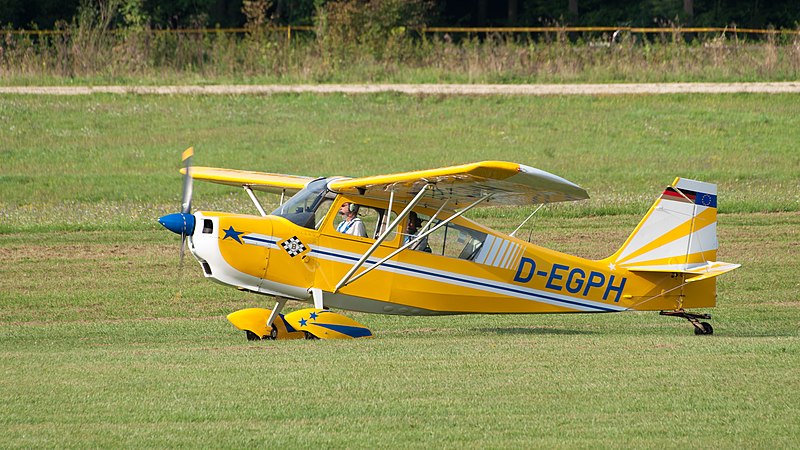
678 233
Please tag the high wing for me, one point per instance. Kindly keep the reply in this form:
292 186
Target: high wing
267 182
508 183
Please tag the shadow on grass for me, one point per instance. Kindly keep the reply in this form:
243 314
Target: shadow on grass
532 330
753 334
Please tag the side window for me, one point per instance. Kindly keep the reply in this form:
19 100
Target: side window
463 241
456 241
362 220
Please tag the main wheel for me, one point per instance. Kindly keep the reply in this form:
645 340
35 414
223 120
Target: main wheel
252 336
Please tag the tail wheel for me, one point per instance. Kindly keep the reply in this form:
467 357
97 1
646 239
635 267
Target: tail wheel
700 328
310 336
704 329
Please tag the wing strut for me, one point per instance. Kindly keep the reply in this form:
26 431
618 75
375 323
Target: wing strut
383 236
527 219
435 216
419 238
255 200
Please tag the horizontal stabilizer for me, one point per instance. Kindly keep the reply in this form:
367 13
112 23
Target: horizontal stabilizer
700 271
712 270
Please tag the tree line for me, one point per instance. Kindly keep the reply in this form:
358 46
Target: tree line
47 14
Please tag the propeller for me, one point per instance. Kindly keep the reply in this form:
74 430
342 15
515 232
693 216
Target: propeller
183 222
186 197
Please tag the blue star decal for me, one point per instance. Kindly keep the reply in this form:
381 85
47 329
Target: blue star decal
233 234
303 322
313 315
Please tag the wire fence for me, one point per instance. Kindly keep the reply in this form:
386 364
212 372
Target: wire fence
634 30
344 53
291 29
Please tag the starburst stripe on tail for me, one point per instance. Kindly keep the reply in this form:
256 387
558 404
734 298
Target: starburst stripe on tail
678 234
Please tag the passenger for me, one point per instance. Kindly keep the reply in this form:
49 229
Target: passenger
412 228
351 223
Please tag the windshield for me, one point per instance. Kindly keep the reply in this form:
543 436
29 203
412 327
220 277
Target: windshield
301 208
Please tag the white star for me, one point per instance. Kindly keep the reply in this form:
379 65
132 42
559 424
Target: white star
612 266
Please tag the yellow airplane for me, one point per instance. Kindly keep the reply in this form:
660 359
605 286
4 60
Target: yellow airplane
400 244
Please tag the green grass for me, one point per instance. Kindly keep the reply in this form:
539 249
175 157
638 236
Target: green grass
104 342
98 351
104 161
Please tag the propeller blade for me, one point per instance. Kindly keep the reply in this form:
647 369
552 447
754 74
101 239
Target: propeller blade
183 222
186 201
183 249
179 294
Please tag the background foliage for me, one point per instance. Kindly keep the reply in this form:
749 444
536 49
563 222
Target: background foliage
228 13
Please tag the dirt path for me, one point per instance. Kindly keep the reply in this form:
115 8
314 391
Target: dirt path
425 89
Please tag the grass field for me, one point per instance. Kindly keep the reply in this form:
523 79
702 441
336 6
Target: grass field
104 342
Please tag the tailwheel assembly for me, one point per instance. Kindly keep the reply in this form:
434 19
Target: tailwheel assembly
700 328
705 328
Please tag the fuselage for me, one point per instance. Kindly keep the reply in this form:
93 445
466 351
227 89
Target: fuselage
473 269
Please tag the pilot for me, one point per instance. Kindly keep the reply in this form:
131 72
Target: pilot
351 223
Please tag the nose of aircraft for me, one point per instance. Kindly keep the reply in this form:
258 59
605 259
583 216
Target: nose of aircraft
178 223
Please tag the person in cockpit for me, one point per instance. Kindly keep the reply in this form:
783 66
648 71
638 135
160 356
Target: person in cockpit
351 224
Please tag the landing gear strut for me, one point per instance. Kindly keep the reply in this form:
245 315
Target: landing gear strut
699 327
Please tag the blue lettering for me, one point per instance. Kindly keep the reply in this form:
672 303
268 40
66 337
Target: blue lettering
596 279
518 277
555 276
574 279
575 287
617 289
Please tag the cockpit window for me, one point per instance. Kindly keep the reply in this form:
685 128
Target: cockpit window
301 209
455 241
